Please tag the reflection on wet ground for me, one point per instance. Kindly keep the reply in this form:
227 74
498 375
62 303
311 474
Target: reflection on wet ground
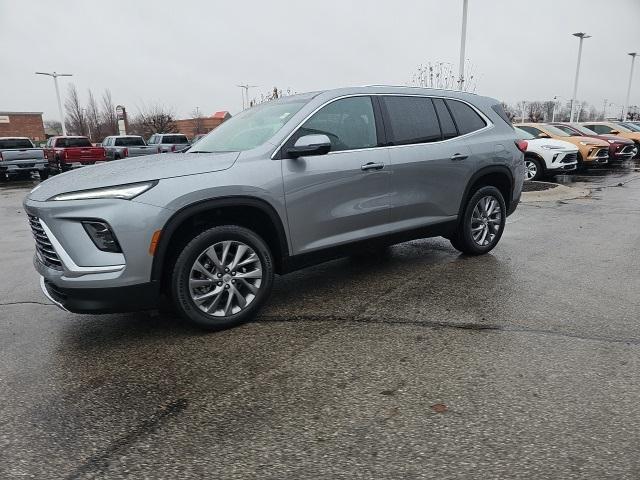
591 175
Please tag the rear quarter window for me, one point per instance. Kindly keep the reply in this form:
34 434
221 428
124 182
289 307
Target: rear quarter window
466 118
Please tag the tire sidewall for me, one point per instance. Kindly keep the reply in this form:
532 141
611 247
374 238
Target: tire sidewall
466 220
182 269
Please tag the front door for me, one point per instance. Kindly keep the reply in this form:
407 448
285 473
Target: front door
344 195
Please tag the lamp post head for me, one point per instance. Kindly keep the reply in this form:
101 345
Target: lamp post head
581 35
633 54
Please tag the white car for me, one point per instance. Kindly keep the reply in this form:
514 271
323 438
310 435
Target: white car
546 156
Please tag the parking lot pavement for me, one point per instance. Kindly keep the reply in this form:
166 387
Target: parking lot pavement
419 363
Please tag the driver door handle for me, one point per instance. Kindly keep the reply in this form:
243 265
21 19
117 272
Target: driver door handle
372 166
459 156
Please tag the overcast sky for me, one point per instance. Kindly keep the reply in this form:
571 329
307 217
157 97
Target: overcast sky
193 53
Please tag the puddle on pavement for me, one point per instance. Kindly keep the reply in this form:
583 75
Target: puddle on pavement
594 175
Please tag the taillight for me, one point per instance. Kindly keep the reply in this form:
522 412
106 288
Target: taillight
125 152
522 145
173 148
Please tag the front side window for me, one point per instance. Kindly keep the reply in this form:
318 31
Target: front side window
467 119
349 123
412 120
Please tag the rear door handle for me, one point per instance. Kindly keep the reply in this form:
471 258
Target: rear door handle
459 156
372 166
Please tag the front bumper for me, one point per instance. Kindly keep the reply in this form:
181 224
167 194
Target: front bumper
102 300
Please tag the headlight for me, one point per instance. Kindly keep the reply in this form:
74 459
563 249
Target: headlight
584 143
550 147
611 141
124 192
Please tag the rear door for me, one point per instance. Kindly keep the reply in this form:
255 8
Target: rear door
344 195
430 163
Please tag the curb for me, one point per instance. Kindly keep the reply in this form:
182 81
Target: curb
560 192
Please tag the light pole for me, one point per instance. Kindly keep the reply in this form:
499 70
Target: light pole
555 107
522 117
626 104
55 76
86 119
581 36
463 41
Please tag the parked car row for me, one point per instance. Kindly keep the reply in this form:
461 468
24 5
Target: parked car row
18 155
560 147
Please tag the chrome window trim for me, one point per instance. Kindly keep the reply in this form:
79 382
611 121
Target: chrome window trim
489 124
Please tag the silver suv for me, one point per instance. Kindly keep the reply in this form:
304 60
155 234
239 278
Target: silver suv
282 185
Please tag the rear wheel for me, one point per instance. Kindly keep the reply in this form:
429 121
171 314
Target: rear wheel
533 169
43 174
222 277
482 223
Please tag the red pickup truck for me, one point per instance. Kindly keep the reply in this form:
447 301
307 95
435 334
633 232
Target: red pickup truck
65 153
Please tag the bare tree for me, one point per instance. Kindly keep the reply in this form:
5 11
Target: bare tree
93 118
198 124
53 126
535 111
509 112
76 121
154 119
548 107
109 119
442 75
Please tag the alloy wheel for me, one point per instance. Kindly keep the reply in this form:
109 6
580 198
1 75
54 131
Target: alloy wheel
531 169
225 278
486 220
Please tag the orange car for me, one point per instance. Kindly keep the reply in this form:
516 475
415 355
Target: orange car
591 151
611 128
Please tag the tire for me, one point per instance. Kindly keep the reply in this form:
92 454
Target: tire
463 238
43 174
533 169
195 257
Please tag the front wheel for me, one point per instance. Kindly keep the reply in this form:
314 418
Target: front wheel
222 277
482 223
533 169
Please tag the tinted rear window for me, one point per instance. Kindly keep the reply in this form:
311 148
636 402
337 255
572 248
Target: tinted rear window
412 120
15 143
466 117
446 122
73 142
129 142
174 139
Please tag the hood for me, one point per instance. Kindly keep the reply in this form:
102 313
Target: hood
132 170
591 141
617 138
539 142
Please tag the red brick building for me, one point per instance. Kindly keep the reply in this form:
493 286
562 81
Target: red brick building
22 124
189 126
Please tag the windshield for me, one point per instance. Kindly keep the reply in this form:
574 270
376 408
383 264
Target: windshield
522 135
584 130
130 142
632 127
566 129
73 142
252 127
556 131
15 143
620 128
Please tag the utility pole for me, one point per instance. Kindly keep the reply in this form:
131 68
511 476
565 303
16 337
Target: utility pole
625 112
604 109
522 117
581 36
463 41
555 104
55 76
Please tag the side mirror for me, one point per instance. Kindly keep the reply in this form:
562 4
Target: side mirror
308 145
614 132
543 135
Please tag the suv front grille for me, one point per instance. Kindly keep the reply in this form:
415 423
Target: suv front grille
44 249
602 153
627 150
570 158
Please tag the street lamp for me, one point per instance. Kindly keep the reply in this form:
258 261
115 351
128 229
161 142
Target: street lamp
55 76
625 112
555 107
245 92
463 40
581 36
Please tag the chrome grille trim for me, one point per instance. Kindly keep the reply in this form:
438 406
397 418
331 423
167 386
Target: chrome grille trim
44 249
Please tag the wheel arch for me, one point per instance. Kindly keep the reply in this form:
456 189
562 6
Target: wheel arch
250 212
498 176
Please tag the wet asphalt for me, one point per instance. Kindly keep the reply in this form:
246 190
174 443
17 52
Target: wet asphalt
418 363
